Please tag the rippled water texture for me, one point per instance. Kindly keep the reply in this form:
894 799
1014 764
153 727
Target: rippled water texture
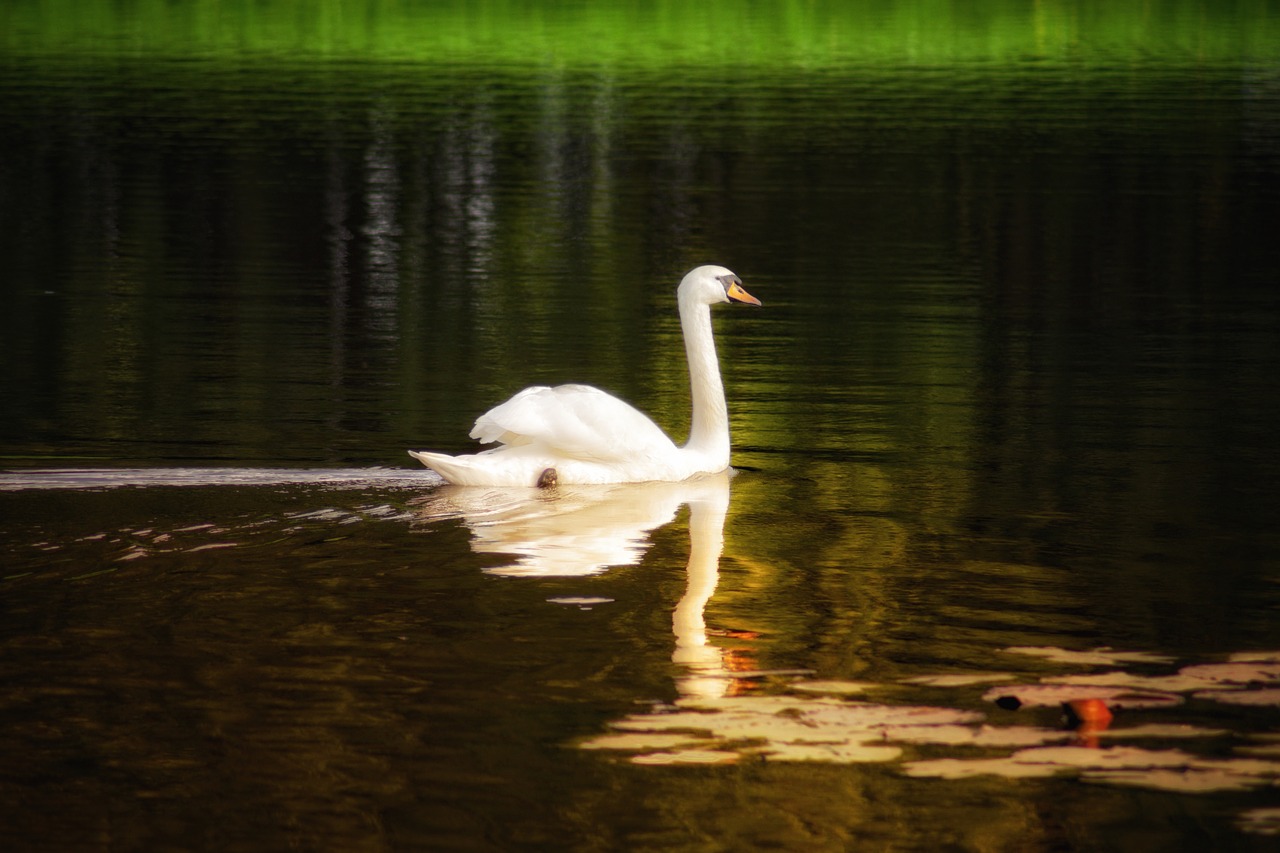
998 569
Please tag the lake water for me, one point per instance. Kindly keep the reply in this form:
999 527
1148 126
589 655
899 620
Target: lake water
1011 399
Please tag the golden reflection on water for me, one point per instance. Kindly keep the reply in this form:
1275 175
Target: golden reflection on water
308 663
727 713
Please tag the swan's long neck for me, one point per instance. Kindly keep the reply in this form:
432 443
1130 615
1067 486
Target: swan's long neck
709 431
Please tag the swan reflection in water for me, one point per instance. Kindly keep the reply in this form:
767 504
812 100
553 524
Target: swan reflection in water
576 531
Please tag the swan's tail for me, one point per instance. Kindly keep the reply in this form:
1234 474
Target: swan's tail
449 467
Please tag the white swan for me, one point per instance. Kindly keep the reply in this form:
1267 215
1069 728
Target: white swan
588 436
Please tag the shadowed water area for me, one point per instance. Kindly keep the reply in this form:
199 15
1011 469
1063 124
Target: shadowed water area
1004 427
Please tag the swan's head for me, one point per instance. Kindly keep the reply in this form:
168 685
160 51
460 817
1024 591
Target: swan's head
711 284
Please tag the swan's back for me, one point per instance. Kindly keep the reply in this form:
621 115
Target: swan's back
573 422
583 434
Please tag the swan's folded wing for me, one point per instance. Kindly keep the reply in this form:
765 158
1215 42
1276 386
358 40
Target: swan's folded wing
575 421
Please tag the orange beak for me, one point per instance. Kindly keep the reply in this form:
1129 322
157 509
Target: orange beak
737 294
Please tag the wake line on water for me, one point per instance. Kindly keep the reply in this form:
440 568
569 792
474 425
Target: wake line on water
115 478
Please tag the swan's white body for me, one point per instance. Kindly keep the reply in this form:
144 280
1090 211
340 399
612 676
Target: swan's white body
588 436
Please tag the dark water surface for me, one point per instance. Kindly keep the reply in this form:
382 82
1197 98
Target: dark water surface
1013 386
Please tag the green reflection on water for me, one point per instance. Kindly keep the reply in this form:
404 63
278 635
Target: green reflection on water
726 33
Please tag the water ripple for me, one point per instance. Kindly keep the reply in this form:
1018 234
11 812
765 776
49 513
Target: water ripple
115 478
